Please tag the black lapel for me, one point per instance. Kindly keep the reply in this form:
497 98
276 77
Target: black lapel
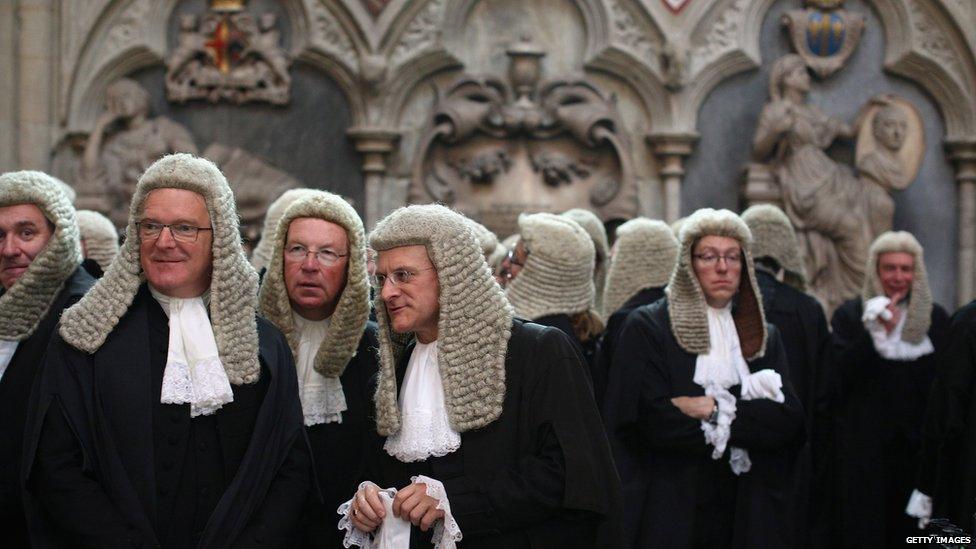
401 366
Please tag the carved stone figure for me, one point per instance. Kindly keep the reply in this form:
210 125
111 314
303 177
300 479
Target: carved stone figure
495 148
890 148
124 142
822 198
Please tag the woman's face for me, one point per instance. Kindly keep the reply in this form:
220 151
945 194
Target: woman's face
798 79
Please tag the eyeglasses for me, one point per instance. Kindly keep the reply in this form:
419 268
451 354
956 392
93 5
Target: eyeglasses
325 256
150 230
397 277
710 260
511 258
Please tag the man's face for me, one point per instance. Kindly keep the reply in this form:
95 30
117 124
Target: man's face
177 268
314 288
717 261
413 305
896 271
24 231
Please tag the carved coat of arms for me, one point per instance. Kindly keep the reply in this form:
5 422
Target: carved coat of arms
494 148
228 54
824 34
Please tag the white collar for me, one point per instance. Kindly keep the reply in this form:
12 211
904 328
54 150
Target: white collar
323 400
426 430
194 373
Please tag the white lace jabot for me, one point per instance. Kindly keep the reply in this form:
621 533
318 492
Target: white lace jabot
322 398
194 373
425 430
891 346
720 369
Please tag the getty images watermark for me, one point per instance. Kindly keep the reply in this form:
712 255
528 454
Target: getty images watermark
962 540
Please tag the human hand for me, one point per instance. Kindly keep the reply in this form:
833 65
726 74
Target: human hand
895 311
413 504
695 407
367 509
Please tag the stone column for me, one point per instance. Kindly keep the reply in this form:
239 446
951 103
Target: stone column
36 59
375 144
963 155
671 149
8 86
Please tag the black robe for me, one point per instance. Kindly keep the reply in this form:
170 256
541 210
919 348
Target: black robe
880 406
339 449
599 372
15 389
675 494
540 475
564 323
803 328
947 471
103 457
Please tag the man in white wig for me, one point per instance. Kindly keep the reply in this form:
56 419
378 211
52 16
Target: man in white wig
702 388
40 276
316 292
99 241
166 412
887 344
261 255
598 234
489 428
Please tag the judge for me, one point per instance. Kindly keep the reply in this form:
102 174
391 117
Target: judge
99 241
317 293
489 428
40 275
550 274
167 413
641 262
886 347
806 338
705 398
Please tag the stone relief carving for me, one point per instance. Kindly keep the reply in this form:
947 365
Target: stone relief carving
422 33
329 35
129 28
824 34
494 147
721 38
631 35
933 41
124 142
229 55
824 199
890 147
375 7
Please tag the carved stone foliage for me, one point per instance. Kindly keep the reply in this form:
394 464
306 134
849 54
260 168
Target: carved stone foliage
421 34
495 147
228 55
824 34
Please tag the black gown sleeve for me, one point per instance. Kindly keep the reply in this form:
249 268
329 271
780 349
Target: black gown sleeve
645 390
278 518
853 356
72 497
765 424
568 456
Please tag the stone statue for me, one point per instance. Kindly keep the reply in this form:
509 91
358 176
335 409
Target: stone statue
822 198
890 147
124 142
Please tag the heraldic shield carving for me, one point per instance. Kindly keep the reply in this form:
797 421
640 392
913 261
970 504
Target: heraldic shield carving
824 34
494 148
228 54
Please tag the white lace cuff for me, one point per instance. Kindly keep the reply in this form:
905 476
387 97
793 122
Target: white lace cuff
354 536
739 460
446 531
204 385
920 507
717 434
